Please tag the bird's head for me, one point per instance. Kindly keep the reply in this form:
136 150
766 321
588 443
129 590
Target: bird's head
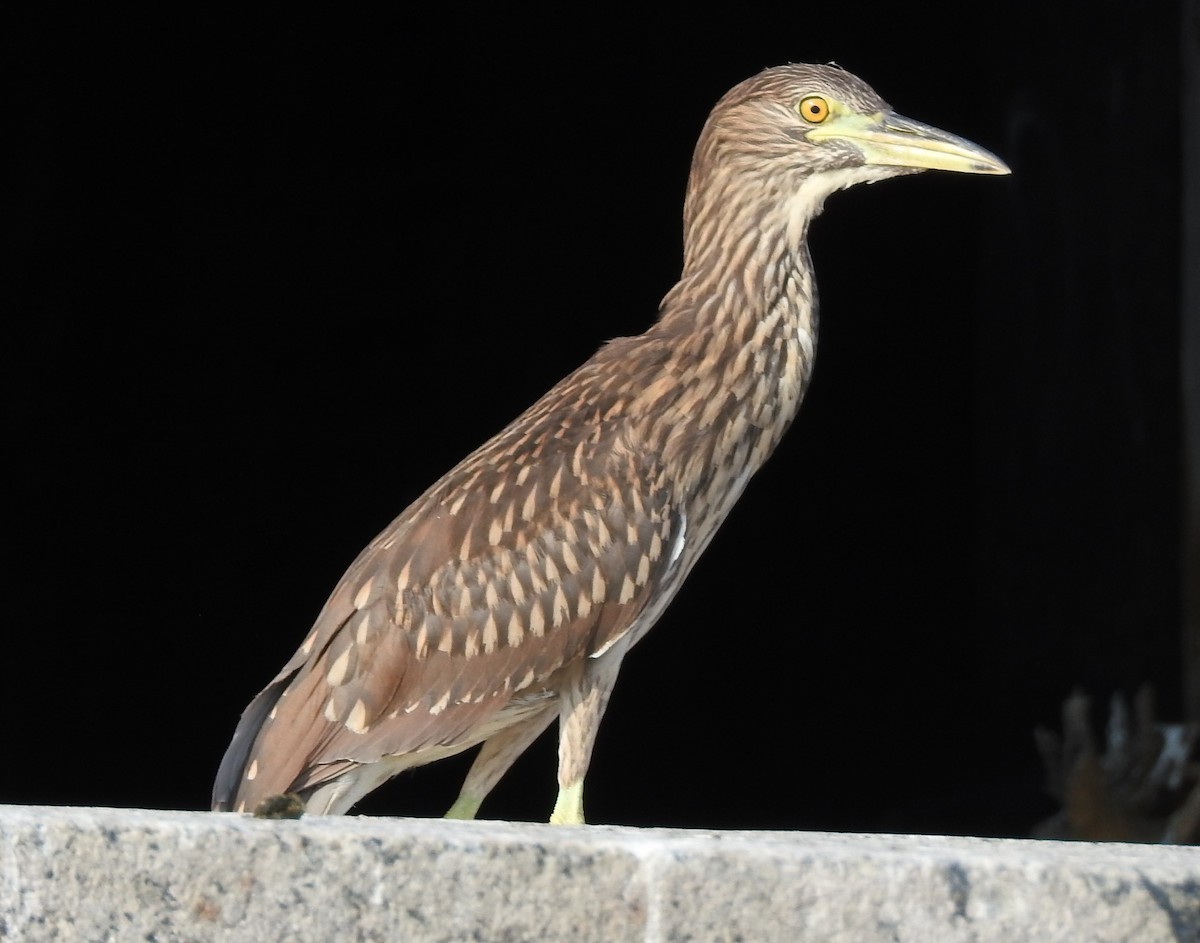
793 134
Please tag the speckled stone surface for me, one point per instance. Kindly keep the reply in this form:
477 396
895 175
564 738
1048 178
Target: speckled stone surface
117 875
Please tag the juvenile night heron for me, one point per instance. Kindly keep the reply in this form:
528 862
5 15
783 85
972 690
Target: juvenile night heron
507 595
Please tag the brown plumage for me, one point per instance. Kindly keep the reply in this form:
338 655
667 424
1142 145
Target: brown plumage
507 595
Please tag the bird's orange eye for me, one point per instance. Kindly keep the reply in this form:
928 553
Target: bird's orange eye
814 109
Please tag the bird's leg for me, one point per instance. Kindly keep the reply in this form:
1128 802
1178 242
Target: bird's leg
495 757
583 705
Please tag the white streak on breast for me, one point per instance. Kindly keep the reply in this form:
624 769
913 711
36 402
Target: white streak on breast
677 546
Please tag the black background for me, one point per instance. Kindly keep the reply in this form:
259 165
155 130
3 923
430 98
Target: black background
272 279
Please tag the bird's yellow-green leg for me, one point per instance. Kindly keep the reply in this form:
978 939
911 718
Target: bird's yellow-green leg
464 807
495 757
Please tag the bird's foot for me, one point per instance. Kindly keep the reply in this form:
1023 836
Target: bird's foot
568 807
465 807
286 805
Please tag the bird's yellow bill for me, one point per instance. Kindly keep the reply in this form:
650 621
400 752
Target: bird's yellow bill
895 141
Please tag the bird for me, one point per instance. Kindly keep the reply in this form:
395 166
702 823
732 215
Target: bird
506 596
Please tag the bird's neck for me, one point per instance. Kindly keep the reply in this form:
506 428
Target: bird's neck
738 333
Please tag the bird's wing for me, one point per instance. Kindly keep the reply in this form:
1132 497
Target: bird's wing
539 549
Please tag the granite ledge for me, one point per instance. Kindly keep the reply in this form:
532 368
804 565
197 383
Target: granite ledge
70 874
